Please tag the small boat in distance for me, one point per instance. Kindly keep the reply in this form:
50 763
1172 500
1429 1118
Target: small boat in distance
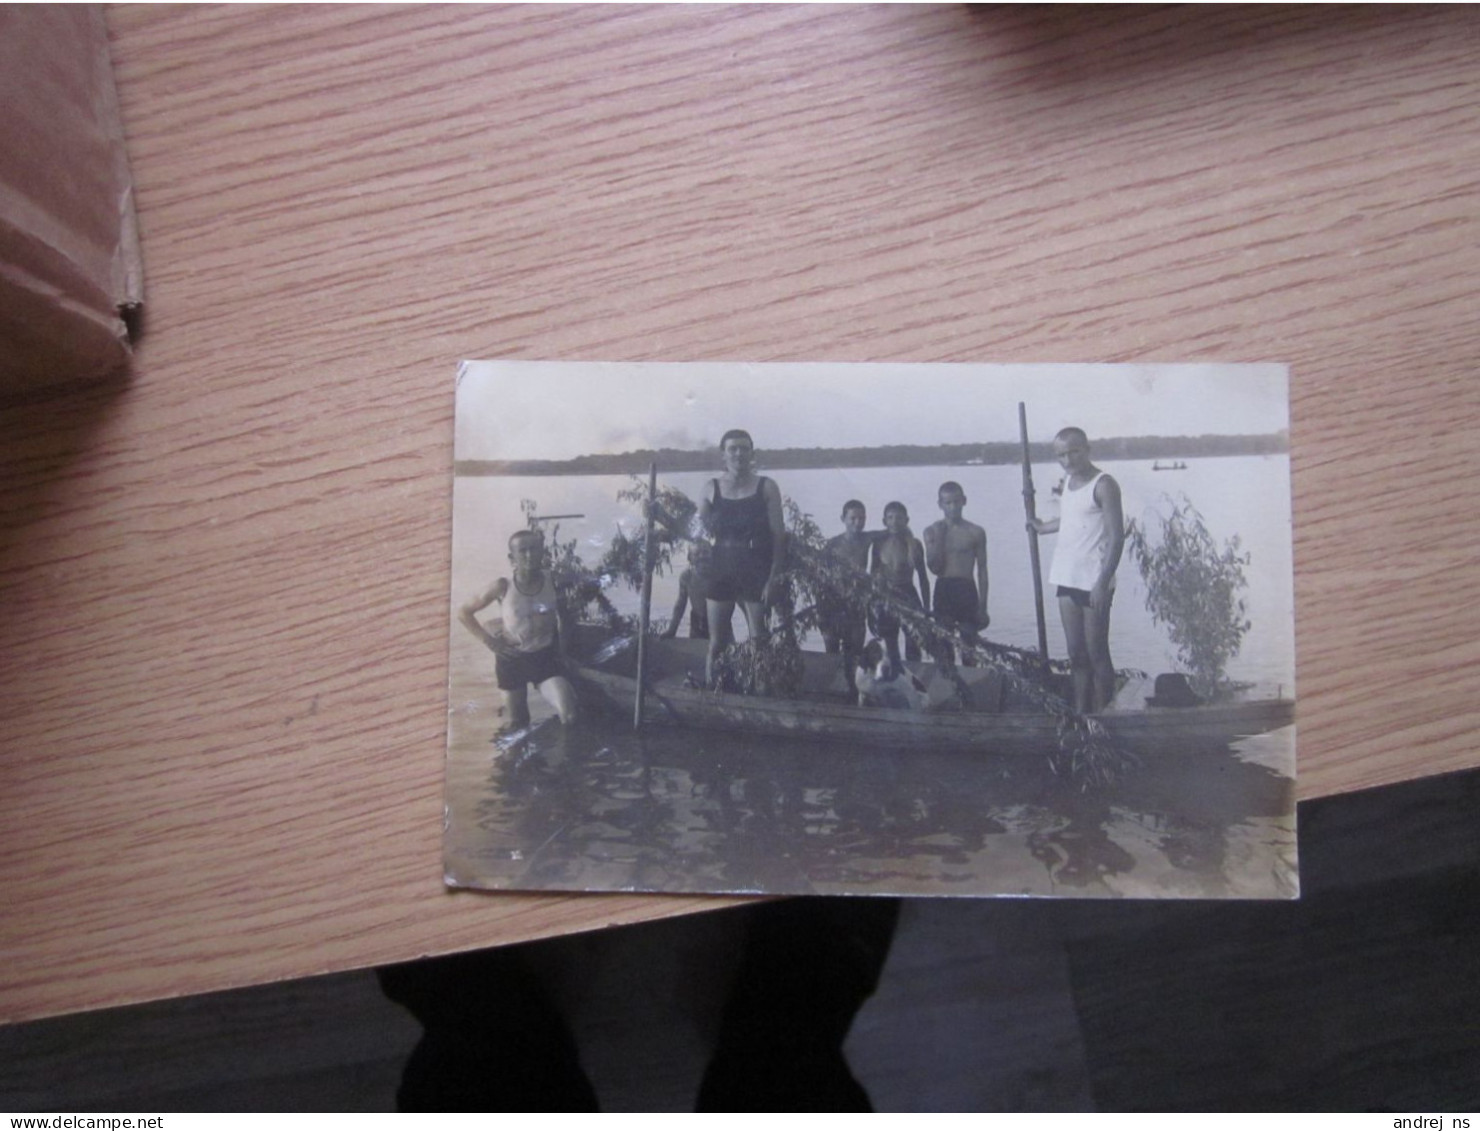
999 720
1178 465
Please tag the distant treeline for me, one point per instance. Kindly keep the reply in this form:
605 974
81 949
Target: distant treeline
894 455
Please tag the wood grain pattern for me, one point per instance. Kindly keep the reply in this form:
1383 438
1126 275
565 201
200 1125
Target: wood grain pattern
224 580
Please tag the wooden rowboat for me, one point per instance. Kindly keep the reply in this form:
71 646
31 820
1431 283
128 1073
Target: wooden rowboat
998 720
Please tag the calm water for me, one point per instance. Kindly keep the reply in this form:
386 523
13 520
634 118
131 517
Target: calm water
600 808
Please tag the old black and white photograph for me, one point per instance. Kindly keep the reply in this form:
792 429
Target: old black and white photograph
872 629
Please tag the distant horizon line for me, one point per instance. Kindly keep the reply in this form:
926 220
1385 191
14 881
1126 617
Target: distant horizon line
972 453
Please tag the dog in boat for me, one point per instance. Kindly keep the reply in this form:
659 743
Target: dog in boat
881 684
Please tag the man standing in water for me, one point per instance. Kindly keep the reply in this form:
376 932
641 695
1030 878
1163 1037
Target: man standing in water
956 552
742 513
1091 530
529 644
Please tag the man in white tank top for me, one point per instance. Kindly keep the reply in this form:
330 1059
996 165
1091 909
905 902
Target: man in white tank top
1091 530
529 643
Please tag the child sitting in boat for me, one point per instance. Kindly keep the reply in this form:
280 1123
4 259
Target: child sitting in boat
693 593
883 683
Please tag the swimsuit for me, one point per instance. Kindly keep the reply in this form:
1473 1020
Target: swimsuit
841 621
957 602
530 622
741 563
885 622
530 619
698 621
1081 596
516 672
842 613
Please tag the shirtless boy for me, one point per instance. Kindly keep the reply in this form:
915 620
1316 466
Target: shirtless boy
529 647
841 618
1091 530
956 552
898 558
853 544
693 594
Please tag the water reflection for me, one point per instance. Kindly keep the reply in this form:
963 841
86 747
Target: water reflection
682 812
1079 853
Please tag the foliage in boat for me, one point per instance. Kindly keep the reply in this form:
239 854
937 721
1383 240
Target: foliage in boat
816 585
771 667
678 524
1192 588
582 589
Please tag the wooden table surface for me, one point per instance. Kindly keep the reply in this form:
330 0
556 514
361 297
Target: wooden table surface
224 581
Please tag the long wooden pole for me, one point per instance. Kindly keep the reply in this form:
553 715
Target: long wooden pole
1031 510
649 548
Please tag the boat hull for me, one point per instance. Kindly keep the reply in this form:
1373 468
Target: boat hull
827 716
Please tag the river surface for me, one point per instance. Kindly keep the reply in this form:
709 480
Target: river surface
596 807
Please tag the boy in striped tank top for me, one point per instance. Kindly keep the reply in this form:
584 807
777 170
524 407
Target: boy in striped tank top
529 642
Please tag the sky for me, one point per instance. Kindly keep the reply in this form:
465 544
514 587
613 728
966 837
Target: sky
557 410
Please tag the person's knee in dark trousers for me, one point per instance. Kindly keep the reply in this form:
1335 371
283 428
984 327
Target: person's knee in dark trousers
492 1039
808 966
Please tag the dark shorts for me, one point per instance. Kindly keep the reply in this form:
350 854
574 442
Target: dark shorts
738 572
518 671
841 622
883 619
1081 596
957 602
699 621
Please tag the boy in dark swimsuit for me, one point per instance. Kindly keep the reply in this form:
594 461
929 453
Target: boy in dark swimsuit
841 618
956 551
898 558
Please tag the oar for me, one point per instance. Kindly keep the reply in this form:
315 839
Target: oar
649 545
1031 510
